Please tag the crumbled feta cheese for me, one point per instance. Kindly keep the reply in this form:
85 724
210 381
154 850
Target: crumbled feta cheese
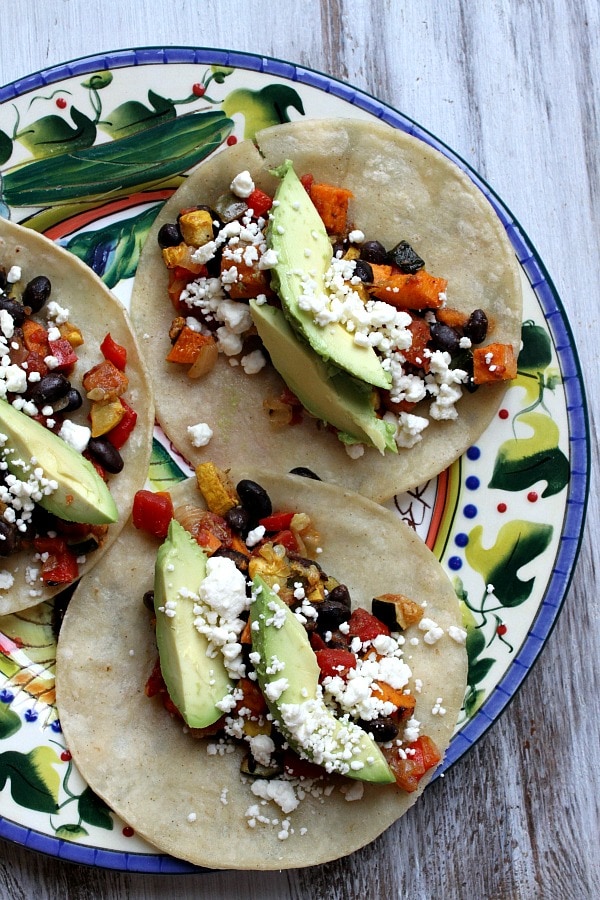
255 536
242 185
14 274
77 436
253 362
200 434
457 634
432 630
6 580
59 314
355 451
281 792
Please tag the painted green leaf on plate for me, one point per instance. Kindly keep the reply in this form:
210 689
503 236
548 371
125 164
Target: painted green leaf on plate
268 106
113 252
6 147
34 782
94 810
522 462
10 722
70 832
536 352
517 544
144 158
53 135
132 116
163 470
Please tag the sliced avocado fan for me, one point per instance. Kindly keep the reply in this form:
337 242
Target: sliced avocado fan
327 394
304 252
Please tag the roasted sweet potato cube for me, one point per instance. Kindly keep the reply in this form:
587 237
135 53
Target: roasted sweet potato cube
495 362
196 227
331 203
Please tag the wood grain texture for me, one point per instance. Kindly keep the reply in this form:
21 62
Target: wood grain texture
512 87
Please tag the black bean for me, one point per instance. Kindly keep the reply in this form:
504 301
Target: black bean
149 600
306 473
70 402
443 337
382 730
169 235
340 594
373 252
85 546
51 387
403 256
340 247
254 499
238 519
3 281
14 308
477 326
108 456
37 293
240 560
10 540
363 270
331 614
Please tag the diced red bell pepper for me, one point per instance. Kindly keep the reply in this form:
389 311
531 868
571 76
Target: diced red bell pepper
278 521
60 565
317 642
114 352
35 363
334 662
307 182
63 353
120 433
152 512
287 539
423 755
365 626
259 202
35 337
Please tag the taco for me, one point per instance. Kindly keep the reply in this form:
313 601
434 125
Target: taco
378 191
76 418
195 794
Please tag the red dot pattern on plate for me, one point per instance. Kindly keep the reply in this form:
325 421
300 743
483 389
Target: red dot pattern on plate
128 831
504 414
61 103
198 90
231 140
65 756
532 496
501 629
502 507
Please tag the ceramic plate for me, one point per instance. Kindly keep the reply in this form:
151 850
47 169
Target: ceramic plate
505 520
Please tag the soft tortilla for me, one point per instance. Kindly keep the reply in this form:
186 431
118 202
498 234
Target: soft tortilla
403 189
139 760
96 311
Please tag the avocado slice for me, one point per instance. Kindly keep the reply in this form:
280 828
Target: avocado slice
195 681
82 495
296 229
287 642
326 393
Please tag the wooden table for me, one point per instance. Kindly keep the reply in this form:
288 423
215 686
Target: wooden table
512 88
